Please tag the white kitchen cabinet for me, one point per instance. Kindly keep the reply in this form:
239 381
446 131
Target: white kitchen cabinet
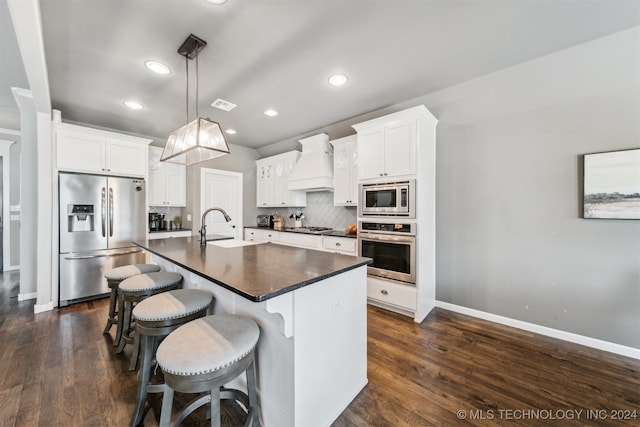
81 149
167 181
271 182
387 146
342 245
262 235
345 171
391 295
300 240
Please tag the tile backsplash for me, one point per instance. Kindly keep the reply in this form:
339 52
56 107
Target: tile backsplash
319 212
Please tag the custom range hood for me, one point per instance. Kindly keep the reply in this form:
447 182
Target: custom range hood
314 170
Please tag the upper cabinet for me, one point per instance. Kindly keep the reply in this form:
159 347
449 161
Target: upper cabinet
345 171
81 149
167 181
271 182
387 146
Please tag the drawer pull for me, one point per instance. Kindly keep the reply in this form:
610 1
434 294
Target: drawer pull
338 244
384 292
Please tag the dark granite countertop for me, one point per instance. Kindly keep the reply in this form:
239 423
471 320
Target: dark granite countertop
335 233
256 272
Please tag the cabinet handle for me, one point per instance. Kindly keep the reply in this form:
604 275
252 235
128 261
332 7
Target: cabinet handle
338 244
384 292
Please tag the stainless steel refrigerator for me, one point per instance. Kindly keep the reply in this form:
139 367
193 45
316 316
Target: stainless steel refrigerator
100 216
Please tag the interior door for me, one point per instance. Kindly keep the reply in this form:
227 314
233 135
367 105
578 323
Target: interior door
221 189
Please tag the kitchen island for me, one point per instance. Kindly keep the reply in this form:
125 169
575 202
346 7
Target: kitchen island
311 309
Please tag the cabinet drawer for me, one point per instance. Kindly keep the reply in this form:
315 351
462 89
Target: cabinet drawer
339 244
391 293
300 240
267 235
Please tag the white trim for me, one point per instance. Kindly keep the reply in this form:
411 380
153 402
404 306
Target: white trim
544 330
5 153
39 308
10 132
23 297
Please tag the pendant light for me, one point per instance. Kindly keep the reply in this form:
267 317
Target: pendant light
201 139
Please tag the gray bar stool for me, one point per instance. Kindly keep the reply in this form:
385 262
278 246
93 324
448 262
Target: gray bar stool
156 317
203 355
114 277
135 289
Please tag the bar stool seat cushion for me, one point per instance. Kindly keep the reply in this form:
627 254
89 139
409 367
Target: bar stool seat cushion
207 344
172 305
150 281
126 271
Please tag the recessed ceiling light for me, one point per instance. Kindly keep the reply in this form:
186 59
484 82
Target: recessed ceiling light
157 67
338 79
216 1
133 105
270 112
231 131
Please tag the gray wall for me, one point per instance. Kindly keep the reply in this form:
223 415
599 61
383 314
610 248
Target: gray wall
510 237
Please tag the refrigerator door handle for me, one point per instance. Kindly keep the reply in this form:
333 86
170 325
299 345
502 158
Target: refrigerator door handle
134 251
103 208
110 212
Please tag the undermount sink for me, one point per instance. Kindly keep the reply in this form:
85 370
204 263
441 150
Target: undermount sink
231 243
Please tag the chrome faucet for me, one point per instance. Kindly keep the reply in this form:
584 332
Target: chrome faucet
203 230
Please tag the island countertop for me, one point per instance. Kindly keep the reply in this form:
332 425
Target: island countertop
257 272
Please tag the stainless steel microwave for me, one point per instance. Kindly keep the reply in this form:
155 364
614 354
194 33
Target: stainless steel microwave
390 199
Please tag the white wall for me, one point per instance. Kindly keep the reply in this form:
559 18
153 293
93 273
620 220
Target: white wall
510 237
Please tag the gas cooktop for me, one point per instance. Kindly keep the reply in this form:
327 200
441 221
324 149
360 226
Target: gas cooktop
309 230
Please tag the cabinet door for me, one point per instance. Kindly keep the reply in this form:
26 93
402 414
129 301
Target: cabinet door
157 186
176 187
342 174
262 183
280 184
79 152
124 158
370 152
354 174
400 148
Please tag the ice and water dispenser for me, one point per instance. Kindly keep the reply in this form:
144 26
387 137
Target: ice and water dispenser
80 218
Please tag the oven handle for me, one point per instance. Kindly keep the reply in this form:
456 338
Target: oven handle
387 238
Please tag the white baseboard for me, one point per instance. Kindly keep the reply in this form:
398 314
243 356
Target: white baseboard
31 295
39 308
544 330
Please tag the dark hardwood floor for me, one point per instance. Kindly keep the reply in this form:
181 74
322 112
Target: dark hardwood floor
57 369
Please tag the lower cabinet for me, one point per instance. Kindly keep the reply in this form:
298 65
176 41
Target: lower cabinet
391 295
260 235
300 240
341 245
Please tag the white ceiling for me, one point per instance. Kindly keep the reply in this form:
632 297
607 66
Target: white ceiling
279 53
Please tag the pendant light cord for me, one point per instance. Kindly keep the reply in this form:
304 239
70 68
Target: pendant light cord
186 58
187 97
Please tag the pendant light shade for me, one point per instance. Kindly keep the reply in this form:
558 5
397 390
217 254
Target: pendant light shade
201 139
197 141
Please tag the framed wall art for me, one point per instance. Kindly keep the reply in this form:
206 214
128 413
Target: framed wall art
612 185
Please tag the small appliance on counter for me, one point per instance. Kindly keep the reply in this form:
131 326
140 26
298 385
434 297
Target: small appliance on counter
265 221
154 221
278 222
